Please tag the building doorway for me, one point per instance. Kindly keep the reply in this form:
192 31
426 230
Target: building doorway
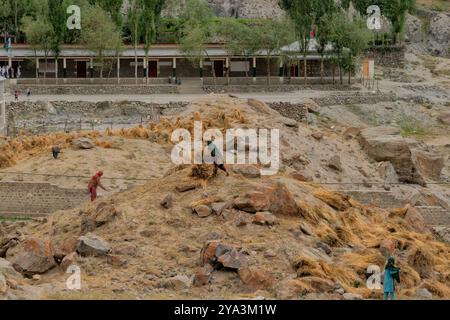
81 69
293 72
153 69
218 68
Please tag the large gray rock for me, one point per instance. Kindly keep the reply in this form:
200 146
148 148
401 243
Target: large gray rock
92 245
3 285
225 8
83 143
423 293
33 256
413 29
7 269
411 162
440 33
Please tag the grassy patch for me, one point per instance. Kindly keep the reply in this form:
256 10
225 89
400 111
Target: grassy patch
437 5
412 127
430 63
14 218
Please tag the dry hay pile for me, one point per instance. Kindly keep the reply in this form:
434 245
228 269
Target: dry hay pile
341 222
24 147
221 113
356 235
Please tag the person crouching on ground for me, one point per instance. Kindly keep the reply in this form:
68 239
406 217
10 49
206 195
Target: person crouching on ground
94 183
391 274
56 150
217 158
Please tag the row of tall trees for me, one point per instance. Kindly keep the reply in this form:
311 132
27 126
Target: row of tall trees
104 28
338 36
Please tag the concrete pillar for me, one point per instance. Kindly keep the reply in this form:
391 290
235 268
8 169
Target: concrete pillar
64 68
174 67
91 67
56 68
281 72
254 69
37 67
201 69
145 65
10 61
118 69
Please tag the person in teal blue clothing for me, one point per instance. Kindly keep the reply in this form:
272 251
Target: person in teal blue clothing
391 274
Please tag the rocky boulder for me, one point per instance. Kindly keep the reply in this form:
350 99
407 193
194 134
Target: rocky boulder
440 34
203 275
92 245
33 256
423 293
220 255
412 164
444 118
335 163
202 211
102 214
302 175
428 164
416 221
413 29
276 199
248 171
178 283
83 143
167 202
256 278
387 172
68 260
7 269
264 218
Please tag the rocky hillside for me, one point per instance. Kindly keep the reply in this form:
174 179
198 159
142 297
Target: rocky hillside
233 8
190 234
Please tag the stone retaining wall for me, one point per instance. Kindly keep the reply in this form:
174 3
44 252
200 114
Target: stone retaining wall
86 107
276 87
382 199
18 198
387 56
355 98
96 89
296 111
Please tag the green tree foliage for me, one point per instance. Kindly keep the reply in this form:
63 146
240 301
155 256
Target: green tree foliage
39 33
305 14
271 37
150 19
349 39
394 10
57 18
112 7
134 22
197 31
100 35
238 38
